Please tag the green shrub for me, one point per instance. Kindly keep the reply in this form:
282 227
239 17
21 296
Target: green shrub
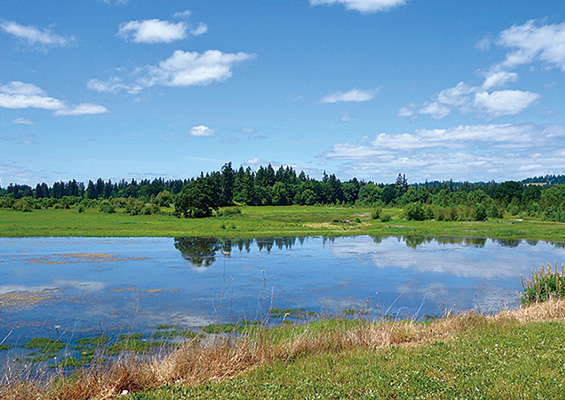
377 212
415 212
545 284
479 213
107 207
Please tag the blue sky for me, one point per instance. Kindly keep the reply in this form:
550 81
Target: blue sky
367 88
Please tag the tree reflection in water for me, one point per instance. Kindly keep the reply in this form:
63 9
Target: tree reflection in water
201 252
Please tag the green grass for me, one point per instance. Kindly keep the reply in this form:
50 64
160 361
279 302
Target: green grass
270 221
492 361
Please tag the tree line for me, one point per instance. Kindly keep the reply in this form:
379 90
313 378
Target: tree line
542 197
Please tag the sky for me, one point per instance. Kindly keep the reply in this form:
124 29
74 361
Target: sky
134 89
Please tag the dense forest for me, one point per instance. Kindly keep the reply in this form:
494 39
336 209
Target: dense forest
538 197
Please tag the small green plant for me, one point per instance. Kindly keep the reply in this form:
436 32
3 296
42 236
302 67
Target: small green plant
545 284
377 212
386 218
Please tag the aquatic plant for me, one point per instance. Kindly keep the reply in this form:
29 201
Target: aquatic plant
546 283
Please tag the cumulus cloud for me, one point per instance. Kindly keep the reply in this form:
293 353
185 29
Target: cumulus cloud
532 43
35 36
20 95
152 31
435 110
469 152
182 68
353 95
186 68
201 131
496 79
363 6
504 102
468 98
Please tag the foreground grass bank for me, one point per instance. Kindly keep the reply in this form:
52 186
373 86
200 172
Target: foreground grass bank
269 221
513 355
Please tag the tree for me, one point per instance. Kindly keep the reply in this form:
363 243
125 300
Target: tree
197 199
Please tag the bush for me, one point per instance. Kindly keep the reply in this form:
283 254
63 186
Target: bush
479 213
107 207
386 218
377 212
415 212
545 284
228 212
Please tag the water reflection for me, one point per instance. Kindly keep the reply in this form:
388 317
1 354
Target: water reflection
201 252
144 282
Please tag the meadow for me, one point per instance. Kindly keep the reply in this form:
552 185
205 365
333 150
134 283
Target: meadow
266 221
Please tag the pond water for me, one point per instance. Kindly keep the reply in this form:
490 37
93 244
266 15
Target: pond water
79 287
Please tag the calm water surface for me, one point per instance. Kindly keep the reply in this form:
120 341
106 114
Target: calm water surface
84 286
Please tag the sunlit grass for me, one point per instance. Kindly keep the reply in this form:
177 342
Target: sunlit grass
269 221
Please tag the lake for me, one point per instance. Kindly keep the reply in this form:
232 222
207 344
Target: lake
76 287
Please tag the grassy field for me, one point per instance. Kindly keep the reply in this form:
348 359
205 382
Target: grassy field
281 221
517 354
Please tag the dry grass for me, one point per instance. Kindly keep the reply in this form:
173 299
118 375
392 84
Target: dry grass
219 357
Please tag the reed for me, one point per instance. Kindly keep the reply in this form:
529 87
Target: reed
546 283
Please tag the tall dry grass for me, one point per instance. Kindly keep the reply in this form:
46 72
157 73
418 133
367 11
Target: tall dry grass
218 357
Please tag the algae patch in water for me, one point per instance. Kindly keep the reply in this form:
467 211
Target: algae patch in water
13 299
75 258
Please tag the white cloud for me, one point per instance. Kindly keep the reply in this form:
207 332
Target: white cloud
182 68
21 88
504 102
201 29
406 112
468 98
182 14
456 96
496 79
255 161
82 109
435 110
152 31
528 44
201 131
363 6
531 43
186 68
35 36
353 95
22 121
467 152
112 85
20 95
19 101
